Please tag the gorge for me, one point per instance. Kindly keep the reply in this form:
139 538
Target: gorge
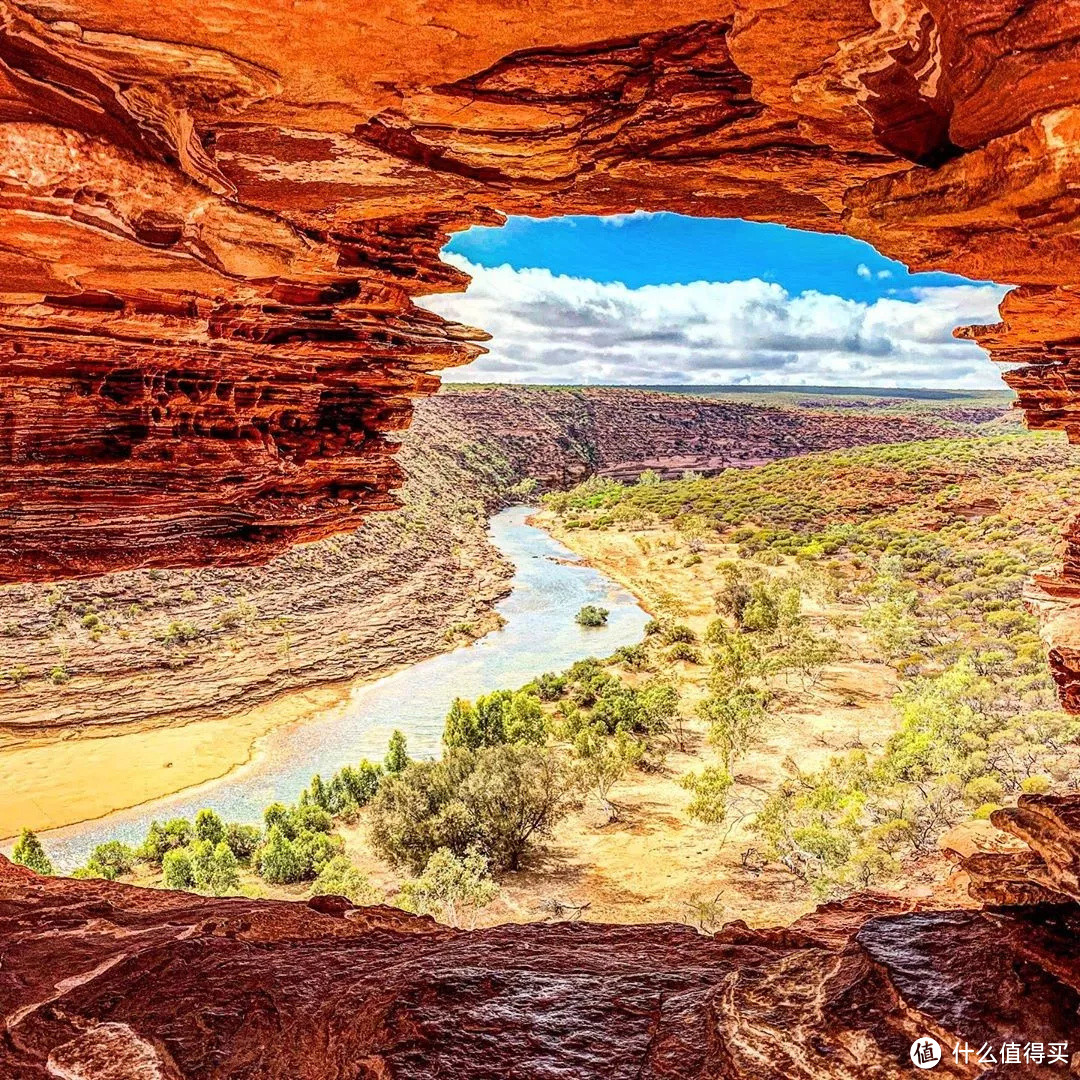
166 678
214 225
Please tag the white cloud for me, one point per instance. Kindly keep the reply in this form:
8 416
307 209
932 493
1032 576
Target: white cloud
553 328
619 220
882 274
863 271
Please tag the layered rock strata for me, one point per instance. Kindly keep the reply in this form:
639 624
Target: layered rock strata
150 647
214 222
104 980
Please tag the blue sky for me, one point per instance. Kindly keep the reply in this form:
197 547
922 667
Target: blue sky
660 298
662 249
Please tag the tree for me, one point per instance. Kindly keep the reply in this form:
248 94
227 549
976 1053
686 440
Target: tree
606 761
224 875
735 720
178 832
809 653
161 839
277 814
498 798
176 866
461 727
29 853
242 840
709 789
110 860
397 754
523 719
209 827
308 818
201 853
514 795
352 788
737 658
450 886
892 628
314 850
499 717
340 878
420 810
317 793
658 701
591 615
278 861
734 592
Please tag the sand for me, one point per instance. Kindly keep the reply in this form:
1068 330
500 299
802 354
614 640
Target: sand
56 782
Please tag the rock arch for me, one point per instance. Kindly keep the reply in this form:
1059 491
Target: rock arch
213 223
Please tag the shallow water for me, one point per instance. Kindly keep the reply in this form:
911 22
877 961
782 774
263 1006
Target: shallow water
550 584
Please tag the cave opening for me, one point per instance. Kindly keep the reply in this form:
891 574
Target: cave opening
662 299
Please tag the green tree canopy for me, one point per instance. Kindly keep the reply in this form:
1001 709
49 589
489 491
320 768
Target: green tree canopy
29 853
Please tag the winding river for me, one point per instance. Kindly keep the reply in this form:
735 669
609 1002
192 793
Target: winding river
550 584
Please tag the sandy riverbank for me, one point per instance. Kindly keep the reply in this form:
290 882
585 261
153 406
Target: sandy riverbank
49 783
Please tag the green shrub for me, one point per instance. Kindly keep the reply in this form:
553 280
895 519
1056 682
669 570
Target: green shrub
684 652
500 717
314 850
709 789
450 886
209 827
397 754
339 877
278 861
177 869
551 687
352 788
242 840
110 860
591 615
500 799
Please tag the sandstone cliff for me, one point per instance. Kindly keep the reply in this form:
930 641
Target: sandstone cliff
215 220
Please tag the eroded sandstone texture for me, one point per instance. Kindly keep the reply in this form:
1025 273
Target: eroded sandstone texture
103 981
214 218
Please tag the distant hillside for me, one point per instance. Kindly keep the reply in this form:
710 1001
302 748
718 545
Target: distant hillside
898 396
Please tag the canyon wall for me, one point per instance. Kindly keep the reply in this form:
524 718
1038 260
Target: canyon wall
103 981
214 223
149 647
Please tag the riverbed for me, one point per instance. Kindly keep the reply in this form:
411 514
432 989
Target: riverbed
550 584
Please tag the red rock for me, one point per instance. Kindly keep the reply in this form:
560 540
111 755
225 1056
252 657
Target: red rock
108 980
215 221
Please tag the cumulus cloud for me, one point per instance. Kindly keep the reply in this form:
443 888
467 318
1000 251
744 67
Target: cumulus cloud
864 271
553 328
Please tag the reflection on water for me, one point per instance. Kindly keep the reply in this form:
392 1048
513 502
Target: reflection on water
540 634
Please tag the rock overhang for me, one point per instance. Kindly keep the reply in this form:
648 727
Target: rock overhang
214 223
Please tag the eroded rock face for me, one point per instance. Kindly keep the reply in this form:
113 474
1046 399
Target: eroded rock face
213 222
103 981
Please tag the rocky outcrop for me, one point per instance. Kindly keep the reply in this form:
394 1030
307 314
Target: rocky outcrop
151 647
103 980
215 222
1048 869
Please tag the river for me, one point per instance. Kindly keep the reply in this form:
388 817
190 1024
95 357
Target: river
550 584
